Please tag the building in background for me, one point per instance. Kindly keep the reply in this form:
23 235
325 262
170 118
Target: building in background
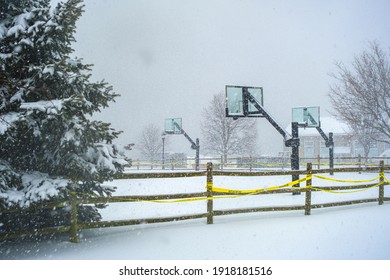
312 144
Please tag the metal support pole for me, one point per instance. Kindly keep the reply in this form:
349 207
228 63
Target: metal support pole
194 145
248 97
328 143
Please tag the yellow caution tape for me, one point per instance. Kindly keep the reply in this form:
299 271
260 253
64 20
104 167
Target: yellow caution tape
241 193
345 181
381 176
238 193
344 191
222 190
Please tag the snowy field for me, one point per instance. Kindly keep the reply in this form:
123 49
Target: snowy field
358 232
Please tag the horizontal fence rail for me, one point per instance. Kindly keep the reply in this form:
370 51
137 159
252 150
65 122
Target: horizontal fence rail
210 194
253 162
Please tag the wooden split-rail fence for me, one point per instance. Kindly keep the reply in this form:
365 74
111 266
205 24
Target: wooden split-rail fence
208 195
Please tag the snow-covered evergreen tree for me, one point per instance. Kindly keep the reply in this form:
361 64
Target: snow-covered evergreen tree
49 144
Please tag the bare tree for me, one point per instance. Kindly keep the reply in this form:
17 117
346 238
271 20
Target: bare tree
361 95
225 136
150 143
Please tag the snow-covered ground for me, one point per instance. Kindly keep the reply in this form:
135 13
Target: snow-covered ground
349 232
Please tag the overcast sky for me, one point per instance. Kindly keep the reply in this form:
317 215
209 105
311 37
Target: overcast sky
167 58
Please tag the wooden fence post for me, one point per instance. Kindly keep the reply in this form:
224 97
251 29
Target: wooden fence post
308 188
209 193
381 182
73 219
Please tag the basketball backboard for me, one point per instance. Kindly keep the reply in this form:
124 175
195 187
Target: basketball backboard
238 104
173 126
306 116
